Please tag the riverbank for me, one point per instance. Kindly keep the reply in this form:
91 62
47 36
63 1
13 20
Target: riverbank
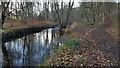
18 33
96 47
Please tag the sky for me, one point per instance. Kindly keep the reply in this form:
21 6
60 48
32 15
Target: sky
64 0
76 2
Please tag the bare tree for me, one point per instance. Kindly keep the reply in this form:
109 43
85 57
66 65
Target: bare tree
56 6
60 16
96 11
5 6
69 12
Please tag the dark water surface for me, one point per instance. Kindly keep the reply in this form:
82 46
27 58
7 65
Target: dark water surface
31 50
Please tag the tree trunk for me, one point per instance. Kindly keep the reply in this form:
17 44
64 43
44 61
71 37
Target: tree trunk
5 6
3 19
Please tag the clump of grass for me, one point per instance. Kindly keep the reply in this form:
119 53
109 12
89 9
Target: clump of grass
72 43
6 28
81 58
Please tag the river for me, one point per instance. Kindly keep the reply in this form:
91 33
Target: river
30 50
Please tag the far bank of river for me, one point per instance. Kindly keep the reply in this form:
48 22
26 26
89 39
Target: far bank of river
11 35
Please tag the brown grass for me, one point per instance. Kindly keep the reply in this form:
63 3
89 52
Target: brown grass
22 23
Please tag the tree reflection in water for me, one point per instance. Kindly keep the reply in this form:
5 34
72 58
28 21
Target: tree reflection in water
33 49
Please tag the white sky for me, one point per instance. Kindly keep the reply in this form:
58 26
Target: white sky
76 2
64 0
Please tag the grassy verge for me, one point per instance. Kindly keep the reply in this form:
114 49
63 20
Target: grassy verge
77 25
5 29
90 24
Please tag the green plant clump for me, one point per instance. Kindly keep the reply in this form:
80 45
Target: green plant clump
72 43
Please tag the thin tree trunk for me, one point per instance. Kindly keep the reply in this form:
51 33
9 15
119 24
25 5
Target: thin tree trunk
57 11
3 19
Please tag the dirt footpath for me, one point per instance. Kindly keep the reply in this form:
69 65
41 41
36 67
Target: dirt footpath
97 48
107 44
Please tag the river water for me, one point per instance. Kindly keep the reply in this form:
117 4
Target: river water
31 50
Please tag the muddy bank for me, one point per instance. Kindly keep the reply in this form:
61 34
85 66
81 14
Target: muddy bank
11 35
